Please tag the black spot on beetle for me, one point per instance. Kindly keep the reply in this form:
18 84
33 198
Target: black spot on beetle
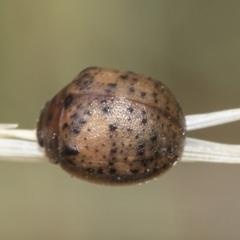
141 145
82 121
112 85
144 120
86 74
103 101
70 150
131 90
134 171
154 94
67 101
65 125
153 137
89 112
170 149
124 76
111 163
76 129
107 91
140 152
112 171
141 149
145 162
70 161
113 150
129 110
112 127
106 109
86 81
142 94
75 116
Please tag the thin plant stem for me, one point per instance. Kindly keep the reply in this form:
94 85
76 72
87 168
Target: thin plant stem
20 145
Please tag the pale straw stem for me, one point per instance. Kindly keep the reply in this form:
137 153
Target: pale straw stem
20 145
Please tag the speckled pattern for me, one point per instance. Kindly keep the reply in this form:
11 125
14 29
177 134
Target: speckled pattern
113 127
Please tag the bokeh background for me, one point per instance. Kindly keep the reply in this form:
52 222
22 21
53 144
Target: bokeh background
191 46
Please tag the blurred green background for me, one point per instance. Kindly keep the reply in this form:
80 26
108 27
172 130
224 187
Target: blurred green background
191 46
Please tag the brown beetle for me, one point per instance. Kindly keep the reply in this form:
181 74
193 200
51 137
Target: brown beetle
113 127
